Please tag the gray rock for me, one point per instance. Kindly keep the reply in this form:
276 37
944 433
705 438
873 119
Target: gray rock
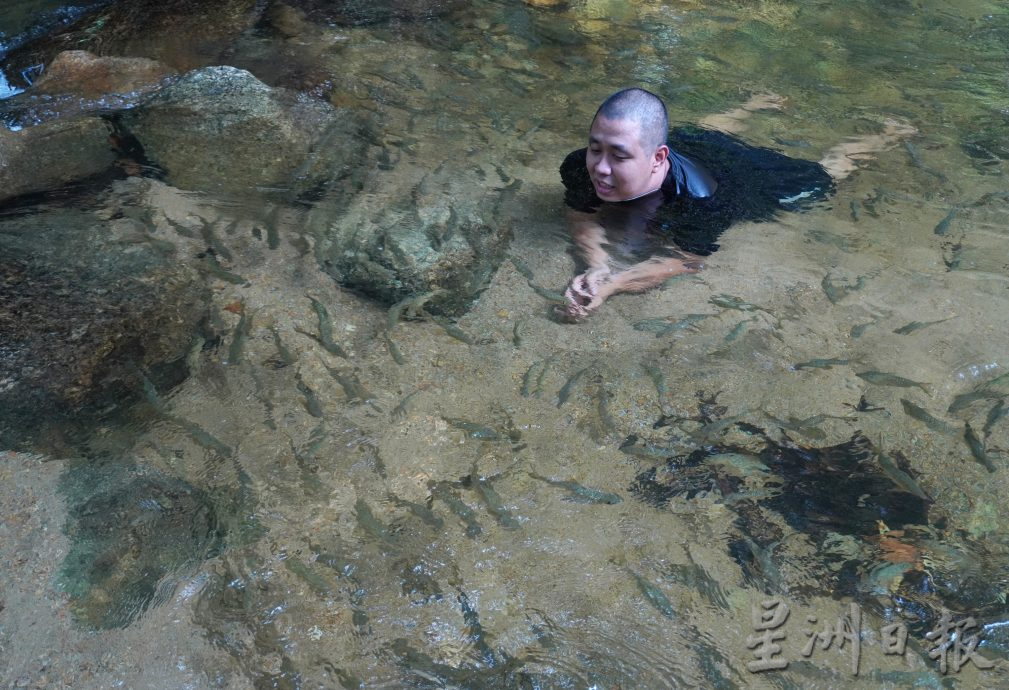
221 129
418 231
84 303
48 156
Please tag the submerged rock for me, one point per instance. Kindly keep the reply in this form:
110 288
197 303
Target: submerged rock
48 156
444 233
79 82
221 129
127 537
353 12
81 308
184 34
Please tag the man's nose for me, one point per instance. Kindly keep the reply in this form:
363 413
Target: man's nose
603 165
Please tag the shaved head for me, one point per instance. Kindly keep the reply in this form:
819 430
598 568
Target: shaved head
642 107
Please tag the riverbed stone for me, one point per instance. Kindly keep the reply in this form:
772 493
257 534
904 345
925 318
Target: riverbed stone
85 303
221 129
418 231
50 155
355 12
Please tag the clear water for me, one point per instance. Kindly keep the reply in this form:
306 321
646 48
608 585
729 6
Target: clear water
381 542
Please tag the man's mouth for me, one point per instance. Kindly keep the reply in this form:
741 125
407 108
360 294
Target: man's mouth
602 187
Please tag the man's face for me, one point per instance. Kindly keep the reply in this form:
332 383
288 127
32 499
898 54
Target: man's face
620 166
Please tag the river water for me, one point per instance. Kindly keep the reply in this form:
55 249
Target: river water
548 505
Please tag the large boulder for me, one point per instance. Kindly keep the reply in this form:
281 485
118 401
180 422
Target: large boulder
184 34
414 231
221 129
85 303
48 156
78 82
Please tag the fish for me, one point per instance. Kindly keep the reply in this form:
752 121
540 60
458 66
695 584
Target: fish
977 448
397 356
452 329
521 267
213 243
202 437
820 363
836 292
964 400
477 431
318 583
737 330
326 329
239 336
655 596
368 522
539 379
209 266
194 361
527 378
312 402
444 493
925 418
351 385
516 336
855 213
660 384
565 391
548 295
421 511
943 226
898 476
732 302
646 450
998 410
412 305
881 378
918 325
579 493
401 410
272 236
475 632
495 506
285 355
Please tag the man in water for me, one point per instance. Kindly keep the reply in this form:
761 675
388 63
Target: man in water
642 212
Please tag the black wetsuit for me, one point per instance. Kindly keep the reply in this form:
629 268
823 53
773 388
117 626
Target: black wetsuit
714 181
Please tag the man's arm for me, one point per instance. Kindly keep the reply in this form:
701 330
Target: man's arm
589 238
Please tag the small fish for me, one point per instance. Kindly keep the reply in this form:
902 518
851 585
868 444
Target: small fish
977 448
859 329
476 431
820 364
943 227
401 410
272 236
925 418
318 583
732 302
737 330
368 522
202 437
655 596
881 378
646 450
965 400
475 632
548 295
579 493
565 391
495 506
194 358
214 243
419 510
351 385
764 558
521 267
326 329
998 410
286 358
660 384
539 379
516 336
527 378
898 476
239 336
856 214
444 493
837 291
453 330
918 325
208 265
397 356
312 403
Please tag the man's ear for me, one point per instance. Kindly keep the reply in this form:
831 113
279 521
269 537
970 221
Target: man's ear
661 154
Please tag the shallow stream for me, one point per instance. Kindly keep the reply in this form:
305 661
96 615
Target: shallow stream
514 502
